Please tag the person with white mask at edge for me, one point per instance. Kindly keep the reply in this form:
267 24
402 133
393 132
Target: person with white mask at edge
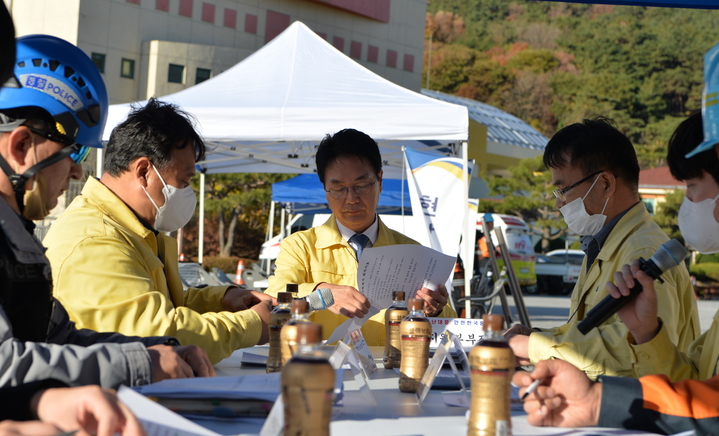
596 172
667 397
112 240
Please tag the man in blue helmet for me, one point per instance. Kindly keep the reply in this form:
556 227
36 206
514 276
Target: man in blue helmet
58 408
50 114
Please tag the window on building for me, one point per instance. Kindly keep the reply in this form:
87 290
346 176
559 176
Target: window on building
99 60
128 68
176 73
202 74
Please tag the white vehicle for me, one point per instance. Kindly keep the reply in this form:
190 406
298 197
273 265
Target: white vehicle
558 271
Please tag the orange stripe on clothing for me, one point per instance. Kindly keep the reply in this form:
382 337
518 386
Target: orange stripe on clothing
687 398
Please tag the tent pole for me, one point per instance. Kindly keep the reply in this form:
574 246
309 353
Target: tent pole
201 240
468 237
270 228
405 166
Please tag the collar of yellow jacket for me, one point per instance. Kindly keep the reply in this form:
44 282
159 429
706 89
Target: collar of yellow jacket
625 227
111 205
328 235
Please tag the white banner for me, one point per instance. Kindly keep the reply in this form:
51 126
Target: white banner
436 189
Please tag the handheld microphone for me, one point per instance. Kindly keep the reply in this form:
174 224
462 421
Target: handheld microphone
669 255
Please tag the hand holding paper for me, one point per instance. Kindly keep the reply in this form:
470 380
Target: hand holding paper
414 269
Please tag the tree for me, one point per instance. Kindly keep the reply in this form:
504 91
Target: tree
667 214
238 201
528 194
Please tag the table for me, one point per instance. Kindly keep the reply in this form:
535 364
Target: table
396 413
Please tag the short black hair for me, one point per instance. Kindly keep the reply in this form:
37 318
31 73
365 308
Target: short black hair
33 116
7 45
594 145
151 131
685 138
347 143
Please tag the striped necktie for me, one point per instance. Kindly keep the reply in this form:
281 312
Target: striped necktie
360 241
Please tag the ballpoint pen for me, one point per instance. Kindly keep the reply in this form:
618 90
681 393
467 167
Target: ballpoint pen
532 387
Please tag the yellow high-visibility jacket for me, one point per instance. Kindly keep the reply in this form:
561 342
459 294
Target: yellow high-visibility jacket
606 349
113 274
321 255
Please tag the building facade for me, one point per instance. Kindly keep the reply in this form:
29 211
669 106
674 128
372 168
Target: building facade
150 48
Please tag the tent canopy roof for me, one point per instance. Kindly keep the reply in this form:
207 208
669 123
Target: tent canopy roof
269 111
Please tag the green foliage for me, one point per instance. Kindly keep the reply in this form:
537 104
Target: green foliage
667 214
528 194
236 212
552 63
707 258
705 271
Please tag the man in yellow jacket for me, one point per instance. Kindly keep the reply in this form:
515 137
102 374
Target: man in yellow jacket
596 172
698 221
113 267
323 260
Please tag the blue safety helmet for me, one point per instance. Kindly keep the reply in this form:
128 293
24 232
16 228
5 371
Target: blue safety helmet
55 75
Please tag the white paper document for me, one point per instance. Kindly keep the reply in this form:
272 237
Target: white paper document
407 268
158 420
259 386
383 270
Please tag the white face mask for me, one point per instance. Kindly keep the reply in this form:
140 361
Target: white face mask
698 225
178 208
577 218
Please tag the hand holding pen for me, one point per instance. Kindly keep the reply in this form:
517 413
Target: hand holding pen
558 394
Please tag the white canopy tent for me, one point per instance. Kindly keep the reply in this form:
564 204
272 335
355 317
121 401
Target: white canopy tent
268 112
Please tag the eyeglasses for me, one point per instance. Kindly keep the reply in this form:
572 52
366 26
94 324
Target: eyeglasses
560 193
362 189
78 153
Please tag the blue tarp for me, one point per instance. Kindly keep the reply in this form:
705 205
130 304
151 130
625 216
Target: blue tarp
694 4
307 195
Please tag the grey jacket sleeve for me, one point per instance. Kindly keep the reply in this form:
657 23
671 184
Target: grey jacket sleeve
62 330
108 365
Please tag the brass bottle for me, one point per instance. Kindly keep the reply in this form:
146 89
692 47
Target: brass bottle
278 317
392 319
288 335
491 363
307 386
415 332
